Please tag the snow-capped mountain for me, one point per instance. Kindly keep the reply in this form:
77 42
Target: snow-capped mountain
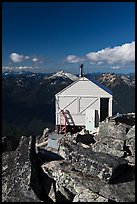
28 74
105 78
64 75
112 79
108 78
128 80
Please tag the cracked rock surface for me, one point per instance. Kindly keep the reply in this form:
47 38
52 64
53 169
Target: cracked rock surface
16 173
102 171
85 168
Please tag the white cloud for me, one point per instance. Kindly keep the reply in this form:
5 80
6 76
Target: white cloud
116 58
23 67
115 67
6 68
27 57
35 59
74 59
16 57
20 58
124 54
100 62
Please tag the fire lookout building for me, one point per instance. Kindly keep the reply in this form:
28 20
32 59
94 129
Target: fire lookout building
84 103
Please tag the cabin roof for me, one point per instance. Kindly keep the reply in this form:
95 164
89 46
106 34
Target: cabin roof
106 89
101 85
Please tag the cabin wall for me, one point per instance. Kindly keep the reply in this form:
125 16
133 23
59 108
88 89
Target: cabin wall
110 107
76 108
80 96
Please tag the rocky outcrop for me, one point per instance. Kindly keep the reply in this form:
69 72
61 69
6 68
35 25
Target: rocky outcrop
85 168
23 179
116 139
130 146
92 163
128 119
121 192
16 174
111 138
73 180
44 136
84 187
97 168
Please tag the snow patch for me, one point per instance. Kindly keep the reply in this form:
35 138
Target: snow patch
64 75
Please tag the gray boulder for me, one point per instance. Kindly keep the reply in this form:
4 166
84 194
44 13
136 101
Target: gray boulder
92 163
16 174
121 192
130 144
76 182
86 188
88 196
111 138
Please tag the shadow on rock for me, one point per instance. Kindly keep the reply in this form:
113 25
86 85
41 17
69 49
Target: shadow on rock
85 139
39 182
123 173
44 155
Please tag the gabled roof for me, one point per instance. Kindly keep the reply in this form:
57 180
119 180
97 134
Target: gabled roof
97 83
67 87
101 85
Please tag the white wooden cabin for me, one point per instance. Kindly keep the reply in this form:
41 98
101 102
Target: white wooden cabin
85 103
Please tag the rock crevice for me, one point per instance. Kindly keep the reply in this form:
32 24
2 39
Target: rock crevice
85 168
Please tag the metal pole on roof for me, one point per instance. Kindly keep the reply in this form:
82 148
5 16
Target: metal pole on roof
81 71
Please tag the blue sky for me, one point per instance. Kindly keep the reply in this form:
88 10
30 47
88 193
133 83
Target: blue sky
49 36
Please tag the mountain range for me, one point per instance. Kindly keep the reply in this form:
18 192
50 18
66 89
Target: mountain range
28 98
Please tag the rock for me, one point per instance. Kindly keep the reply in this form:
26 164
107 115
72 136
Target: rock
85 168
128 119
105 148
59 192
93 163
111 138
84 131
16 173
39 182
45 133
47 156
121 192
113 130
88 196
87 188
96 171
42 140
67 177
130 143
131 159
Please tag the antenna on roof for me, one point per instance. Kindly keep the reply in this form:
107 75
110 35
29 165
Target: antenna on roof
81 71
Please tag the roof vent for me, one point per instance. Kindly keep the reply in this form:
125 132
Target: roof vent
81 71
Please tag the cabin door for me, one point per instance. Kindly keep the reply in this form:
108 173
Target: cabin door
104 104
90 119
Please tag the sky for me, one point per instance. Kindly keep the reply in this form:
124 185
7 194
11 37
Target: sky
52 36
